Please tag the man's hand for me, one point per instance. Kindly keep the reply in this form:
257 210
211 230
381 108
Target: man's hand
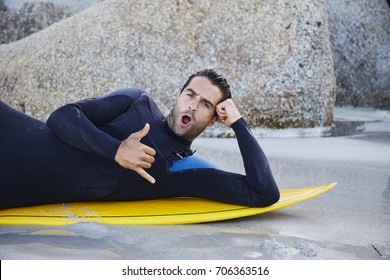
227 112
134 155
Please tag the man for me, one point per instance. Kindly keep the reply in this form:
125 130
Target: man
120 147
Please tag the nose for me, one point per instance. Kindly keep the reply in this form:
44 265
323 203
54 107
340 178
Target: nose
193 106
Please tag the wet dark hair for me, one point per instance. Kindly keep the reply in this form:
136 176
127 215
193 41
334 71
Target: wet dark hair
215 78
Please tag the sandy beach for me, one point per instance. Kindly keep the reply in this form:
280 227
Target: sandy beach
350 222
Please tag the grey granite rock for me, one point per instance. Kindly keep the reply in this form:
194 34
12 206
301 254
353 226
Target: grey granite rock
360 38
21 18
275 54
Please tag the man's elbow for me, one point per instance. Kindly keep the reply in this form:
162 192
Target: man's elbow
274 197
57 117
267 198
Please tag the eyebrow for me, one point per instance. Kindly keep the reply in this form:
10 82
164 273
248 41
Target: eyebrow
206 100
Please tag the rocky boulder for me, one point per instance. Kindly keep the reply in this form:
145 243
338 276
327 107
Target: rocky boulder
21 18
360 39
275 54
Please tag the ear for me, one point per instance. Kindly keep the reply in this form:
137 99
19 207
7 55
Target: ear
213 120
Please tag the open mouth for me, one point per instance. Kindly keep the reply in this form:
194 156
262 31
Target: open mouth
186 120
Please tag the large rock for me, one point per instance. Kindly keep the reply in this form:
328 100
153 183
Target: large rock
360 38
20 18
276 55
31 18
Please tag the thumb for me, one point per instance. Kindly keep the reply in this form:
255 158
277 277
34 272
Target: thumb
142 133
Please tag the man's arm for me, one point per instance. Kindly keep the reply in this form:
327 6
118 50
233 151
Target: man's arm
77 125
257 169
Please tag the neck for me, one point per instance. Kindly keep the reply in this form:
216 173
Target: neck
169 125
169 121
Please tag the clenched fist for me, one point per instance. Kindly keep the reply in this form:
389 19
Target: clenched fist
227 112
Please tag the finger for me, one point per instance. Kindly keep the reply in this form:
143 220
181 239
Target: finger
222 118
150 151
145 164
222 121
147 158
142 133
146 175
220 109
222 115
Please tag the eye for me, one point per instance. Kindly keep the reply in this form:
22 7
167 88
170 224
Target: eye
206 104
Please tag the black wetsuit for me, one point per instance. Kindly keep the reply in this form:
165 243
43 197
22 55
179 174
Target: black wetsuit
71 157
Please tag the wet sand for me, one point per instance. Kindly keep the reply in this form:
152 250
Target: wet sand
351 221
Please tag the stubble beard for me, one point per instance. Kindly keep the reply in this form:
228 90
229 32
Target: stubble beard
189 133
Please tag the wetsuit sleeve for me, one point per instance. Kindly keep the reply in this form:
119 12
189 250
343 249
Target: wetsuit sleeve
258 171
78 123
256 188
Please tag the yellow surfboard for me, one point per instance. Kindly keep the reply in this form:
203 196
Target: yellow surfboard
158 211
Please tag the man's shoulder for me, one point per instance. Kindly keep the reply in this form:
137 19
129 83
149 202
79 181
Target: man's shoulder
130 92
135 96
135 93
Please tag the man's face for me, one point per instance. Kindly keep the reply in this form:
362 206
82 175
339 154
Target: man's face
195 108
